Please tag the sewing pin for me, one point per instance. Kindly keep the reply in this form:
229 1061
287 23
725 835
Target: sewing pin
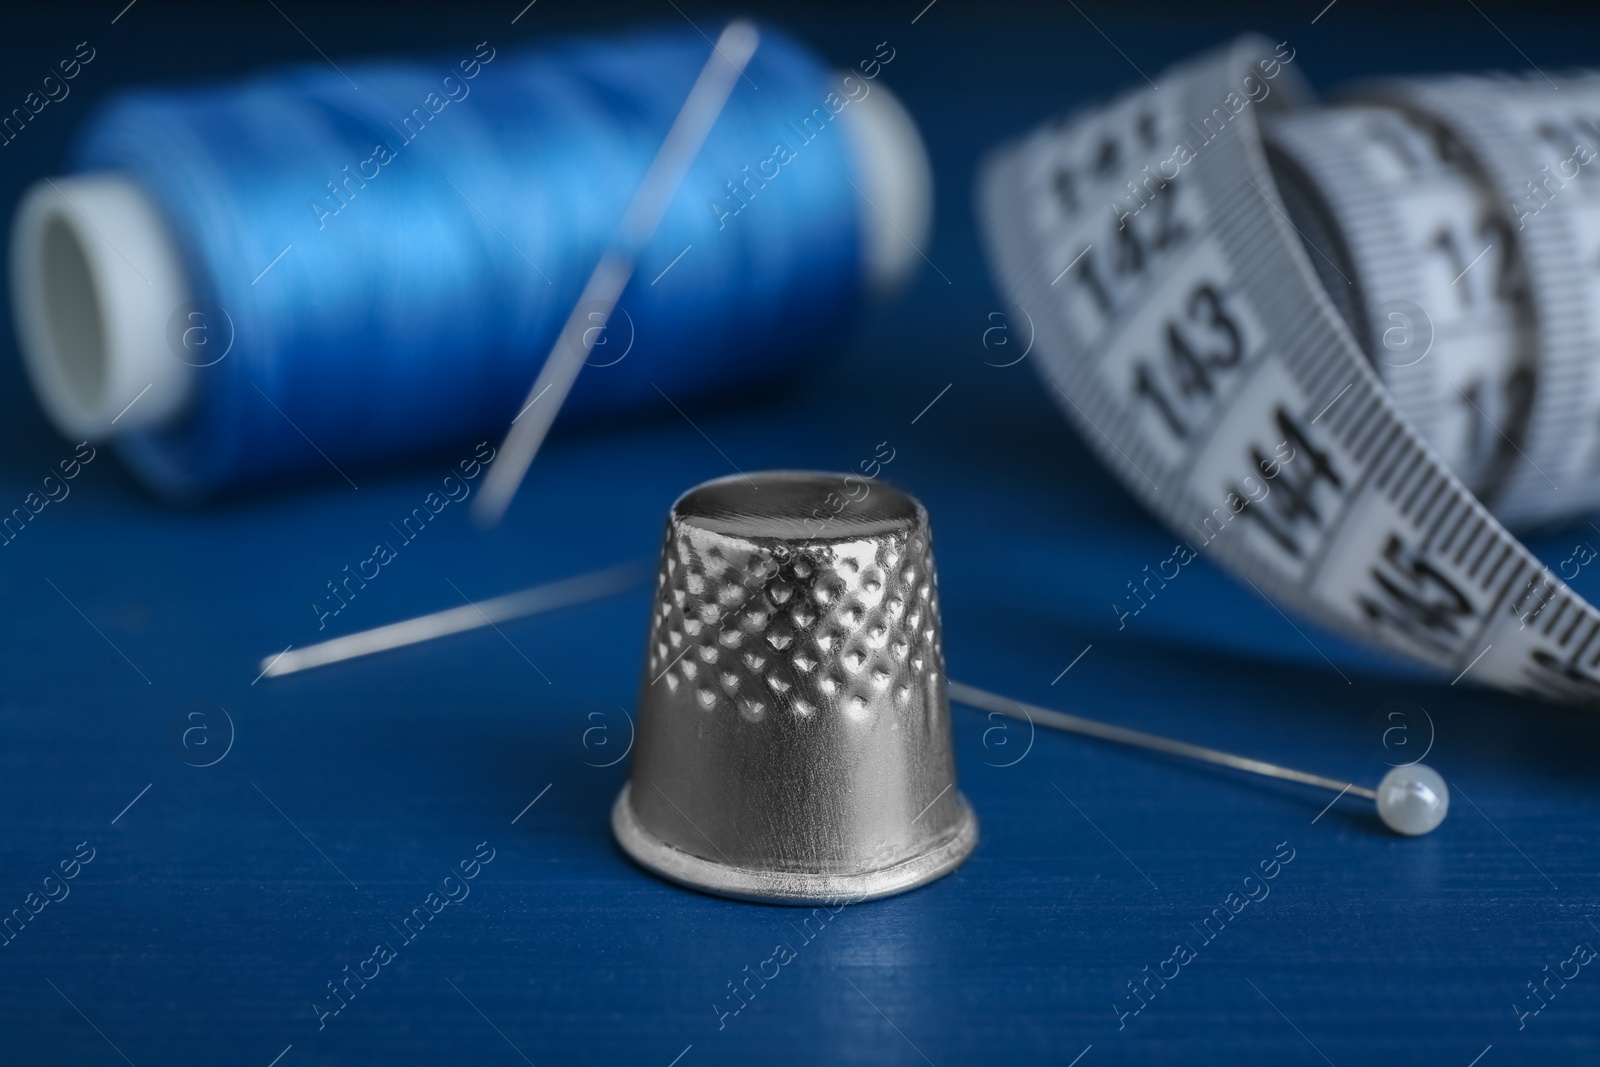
1412 799
469 616
724 67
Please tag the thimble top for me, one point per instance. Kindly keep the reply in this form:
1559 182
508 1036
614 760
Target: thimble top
798 506
794 738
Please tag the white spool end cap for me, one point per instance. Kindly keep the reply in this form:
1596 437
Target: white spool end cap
896 185
95 281
1413 799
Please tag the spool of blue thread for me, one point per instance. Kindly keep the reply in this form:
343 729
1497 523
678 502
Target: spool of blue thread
378 265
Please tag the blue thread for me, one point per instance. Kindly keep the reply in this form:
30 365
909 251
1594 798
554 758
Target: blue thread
404 317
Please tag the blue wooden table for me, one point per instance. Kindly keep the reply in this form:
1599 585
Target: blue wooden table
1119 908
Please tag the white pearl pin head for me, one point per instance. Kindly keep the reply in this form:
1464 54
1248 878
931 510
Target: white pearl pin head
1413 799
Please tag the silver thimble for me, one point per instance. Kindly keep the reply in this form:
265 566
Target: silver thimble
794 737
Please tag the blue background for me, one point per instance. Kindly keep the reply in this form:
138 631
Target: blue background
219 903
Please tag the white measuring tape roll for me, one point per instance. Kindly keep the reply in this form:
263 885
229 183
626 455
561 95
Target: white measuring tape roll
1299 335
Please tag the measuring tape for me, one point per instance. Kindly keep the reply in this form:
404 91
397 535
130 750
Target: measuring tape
1329 347
1452 339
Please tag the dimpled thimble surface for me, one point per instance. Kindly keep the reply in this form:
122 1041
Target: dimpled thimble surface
793 731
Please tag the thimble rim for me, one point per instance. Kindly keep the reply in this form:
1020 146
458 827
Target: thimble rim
792 887
851 523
